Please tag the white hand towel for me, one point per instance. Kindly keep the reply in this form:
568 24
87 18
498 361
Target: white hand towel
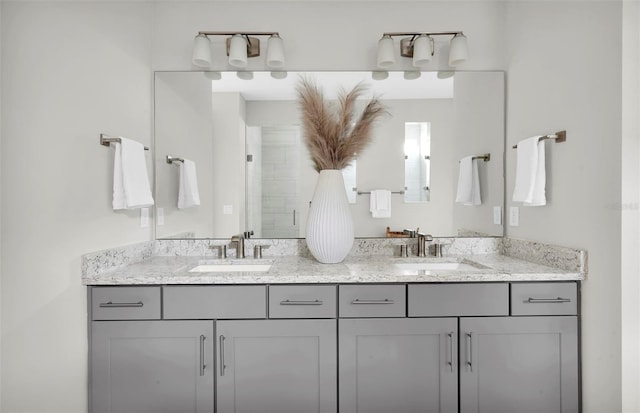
131 187
468 182
188 194
380 203
530 173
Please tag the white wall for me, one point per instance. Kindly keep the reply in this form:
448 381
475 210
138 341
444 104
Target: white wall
183 129
479 110
630 207
228 114
70 72
564 75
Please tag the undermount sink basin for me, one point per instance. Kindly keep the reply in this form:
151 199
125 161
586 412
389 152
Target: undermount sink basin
435 266
231 268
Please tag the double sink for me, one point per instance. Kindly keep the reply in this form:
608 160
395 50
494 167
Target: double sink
238 265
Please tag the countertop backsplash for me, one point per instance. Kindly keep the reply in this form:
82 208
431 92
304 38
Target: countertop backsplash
568 259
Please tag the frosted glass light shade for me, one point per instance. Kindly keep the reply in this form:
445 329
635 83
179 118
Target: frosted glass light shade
386 56
422 50
275 52
201 51
412 74
458 51
238 51
379 74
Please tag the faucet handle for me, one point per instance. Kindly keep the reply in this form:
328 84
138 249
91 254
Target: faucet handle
257 250
222 250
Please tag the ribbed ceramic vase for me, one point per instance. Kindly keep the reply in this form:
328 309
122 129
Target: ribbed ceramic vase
329 225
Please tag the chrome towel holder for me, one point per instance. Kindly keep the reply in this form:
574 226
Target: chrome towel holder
560 136
106 140
172 159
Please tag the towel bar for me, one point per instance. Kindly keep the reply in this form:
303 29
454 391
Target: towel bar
368 192
107 140
172 159
558 137
486 157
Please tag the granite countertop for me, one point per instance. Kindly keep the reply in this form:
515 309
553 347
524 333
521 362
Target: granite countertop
158 270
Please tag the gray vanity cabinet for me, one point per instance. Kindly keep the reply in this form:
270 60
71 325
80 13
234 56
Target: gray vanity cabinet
519 364
152 366
398 365
276 366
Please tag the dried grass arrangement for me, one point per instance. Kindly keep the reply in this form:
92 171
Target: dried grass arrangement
334 132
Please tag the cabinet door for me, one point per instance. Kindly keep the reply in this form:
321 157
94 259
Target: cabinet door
277 366
152 366
519 364
398 365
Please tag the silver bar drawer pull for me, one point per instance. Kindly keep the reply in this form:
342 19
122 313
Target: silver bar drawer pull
558 300
110 304
223 366
202 365
301 302
450 357
469 355
374 301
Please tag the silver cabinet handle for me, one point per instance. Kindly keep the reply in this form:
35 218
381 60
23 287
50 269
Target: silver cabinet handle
450 340
558 300
110 304
374 301
301 302
202 365
469 362
222 365
294 217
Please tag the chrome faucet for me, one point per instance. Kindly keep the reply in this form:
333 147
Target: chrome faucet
237 242
422 243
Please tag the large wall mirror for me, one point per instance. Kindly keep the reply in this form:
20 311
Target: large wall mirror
243 132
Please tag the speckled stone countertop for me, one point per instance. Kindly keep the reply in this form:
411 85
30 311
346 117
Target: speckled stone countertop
158 270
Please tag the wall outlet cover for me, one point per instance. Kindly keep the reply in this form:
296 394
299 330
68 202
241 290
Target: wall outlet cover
227 209
497 215
144 217
160 216
514 216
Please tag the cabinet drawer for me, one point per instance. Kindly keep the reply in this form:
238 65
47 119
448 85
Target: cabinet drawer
372 301
125 303
451 300
302 301
544 299
212 302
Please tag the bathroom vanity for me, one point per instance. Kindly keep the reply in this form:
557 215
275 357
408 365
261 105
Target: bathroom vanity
368 335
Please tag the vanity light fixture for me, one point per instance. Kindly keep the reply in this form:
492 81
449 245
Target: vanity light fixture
240 46
421 48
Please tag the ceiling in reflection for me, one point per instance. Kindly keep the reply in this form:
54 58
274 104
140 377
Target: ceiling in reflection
263 86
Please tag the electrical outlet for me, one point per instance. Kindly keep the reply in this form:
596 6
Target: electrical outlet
160 216
144 217
227 209
497 215
514 216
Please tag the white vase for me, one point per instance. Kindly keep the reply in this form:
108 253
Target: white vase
329 225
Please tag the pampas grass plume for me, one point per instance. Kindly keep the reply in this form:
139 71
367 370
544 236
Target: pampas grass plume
335 134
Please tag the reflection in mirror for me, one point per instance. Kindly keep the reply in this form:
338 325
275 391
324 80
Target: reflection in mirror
240 133
417 159
350 183
273 180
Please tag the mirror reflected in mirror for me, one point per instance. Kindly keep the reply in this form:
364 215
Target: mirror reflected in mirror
255 174
417 160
